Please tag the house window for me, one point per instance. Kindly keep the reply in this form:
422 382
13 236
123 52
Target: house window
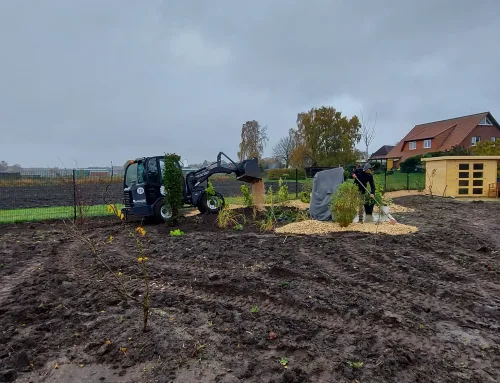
493 139
475 140
413 145
427 144
485 121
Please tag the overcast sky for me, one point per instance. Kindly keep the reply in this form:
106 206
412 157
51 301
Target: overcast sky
94 81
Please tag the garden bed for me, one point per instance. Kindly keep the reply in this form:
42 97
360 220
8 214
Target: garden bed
232 305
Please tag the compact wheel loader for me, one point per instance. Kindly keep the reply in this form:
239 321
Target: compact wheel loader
144 191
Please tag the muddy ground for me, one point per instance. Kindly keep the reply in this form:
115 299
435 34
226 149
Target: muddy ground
229 306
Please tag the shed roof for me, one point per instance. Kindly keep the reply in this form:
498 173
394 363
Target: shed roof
461 158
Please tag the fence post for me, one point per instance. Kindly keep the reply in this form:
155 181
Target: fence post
296 183
408 181
74 195
385 181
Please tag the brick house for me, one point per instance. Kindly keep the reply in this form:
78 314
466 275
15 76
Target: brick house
442 135
381 155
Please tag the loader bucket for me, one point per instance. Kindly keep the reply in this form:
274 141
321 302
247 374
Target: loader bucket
248 171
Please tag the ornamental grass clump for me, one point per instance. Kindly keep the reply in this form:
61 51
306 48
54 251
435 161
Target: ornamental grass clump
345 203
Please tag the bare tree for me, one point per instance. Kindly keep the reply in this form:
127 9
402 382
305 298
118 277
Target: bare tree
3 166
282 151
368 132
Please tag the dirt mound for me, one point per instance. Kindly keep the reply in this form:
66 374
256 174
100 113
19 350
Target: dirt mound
319 227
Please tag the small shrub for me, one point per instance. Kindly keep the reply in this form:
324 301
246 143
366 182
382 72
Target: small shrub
276 174
305 197
176 233
355 365
247 196
345 203
238 227
210 190
282 195
269 222
254 309
228 217
307 186
302 216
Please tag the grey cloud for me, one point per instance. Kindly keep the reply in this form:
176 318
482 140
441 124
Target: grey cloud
94 81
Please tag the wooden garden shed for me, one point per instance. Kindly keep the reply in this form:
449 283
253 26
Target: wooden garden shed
467 176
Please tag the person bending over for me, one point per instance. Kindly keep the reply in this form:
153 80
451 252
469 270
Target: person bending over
363 177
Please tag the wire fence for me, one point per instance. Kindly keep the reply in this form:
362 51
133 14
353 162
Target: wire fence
62 194
79 194
395 181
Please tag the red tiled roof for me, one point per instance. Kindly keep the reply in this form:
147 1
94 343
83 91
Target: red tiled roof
455 129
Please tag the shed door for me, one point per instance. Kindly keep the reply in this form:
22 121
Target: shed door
471 179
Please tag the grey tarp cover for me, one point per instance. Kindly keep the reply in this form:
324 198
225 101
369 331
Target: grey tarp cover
325 183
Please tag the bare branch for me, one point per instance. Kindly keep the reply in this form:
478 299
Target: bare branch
368 132
282 151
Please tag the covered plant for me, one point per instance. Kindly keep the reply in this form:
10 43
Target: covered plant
172 181
345 203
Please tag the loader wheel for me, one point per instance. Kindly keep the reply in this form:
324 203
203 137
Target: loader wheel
162 212
212 204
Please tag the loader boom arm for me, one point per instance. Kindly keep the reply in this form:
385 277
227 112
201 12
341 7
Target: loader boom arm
247 171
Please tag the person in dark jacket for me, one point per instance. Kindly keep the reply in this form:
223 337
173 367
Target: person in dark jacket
363 177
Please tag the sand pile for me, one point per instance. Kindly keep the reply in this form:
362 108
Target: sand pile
319 227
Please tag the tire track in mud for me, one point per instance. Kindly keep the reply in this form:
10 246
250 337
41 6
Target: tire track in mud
393 298
322 317
345 285
372 263
9 282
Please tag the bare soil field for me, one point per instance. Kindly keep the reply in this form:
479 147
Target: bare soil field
244 306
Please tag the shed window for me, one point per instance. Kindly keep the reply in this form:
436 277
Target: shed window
478 166
427 144
413 145
463 166
463 175
477 191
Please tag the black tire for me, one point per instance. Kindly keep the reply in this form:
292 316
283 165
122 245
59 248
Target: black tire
160 213
209 205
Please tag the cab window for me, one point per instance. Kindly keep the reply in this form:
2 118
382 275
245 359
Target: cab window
135 174
153 173
162 166
140 173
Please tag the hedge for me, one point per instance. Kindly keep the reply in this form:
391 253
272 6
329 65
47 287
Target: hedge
276 174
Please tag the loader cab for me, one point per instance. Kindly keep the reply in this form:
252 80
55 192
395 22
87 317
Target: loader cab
143 186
